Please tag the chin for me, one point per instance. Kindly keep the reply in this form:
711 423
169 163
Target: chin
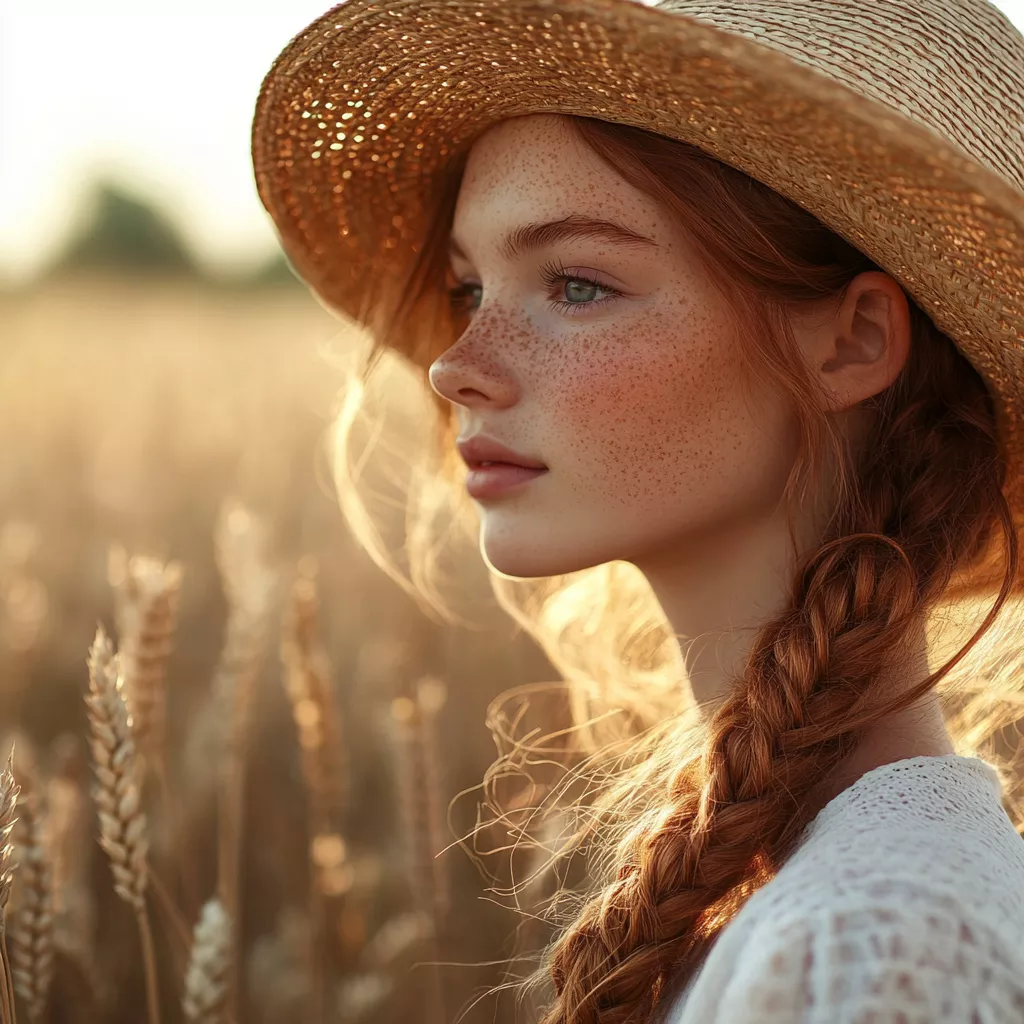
525 560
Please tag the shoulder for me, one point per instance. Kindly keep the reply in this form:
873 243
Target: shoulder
917 955
911 839
884 914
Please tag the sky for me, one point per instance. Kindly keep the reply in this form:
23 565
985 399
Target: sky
157 97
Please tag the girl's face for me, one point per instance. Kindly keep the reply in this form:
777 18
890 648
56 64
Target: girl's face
609 357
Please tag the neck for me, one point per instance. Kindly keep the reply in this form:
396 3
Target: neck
721 590
716 592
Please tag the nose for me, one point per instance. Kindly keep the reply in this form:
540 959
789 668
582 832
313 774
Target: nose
470 374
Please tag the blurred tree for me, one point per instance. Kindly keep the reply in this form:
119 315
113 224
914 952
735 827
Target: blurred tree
127 235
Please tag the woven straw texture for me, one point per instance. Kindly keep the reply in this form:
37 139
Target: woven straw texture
899 126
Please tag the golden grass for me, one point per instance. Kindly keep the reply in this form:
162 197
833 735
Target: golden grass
183 431
309 790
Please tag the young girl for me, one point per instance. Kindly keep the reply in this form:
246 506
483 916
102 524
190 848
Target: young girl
722 306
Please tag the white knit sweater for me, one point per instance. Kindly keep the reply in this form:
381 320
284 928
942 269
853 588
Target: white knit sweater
902 904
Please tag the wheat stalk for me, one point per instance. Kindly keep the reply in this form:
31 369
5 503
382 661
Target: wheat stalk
32 929
8 804
307 679
68 830
118 796
420 802
308 684
420 791
250 585
207 980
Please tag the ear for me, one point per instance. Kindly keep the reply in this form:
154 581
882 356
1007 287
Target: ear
860 350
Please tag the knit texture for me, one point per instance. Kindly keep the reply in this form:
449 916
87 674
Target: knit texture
903 903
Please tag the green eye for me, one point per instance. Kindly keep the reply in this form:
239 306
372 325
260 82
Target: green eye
577 285
580 291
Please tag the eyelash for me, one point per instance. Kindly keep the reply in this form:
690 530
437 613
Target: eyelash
550 273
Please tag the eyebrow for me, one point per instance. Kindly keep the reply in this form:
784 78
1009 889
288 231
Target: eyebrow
530 237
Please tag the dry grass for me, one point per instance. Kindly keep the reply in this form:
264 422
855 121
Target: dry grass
308 791
279 783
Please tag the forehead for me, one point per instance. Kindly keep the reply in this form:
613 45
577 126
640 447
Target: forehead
534 168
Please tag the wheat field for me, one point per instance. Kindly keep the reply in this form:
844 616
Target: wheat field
235 739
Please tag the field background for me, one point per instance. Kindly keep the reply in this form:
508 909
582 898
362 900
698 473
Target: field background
157 380
136 398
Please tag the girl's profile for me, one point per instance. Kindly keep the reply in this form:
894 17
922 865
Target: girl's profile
720 312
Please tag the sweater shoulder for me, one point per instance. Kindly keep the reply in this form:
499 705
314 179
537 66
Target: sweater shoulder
907 951
930 832
916 955
904 901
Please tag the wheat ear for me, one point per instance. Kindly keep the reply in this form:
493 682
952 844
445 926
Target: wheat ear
8 805
420 800
207 980
118 797
147 593
32 955
149 596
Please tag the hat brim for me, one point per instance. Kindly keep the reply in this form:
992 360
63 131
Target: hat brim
363 112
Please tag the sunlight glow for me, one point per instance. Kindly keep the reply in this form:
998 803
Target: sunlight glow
159 99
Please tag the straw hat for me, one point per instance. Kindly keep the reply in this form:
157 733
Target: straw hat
900 126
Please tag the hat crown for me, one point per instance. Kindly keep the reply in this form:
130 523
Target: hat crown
956 66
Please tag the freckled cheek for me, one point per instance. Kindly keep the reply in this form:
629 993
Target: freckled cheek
628 415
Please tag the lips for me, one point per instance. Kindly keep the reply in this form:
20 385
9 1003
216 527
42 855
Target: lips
480 452
473 464
497 478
